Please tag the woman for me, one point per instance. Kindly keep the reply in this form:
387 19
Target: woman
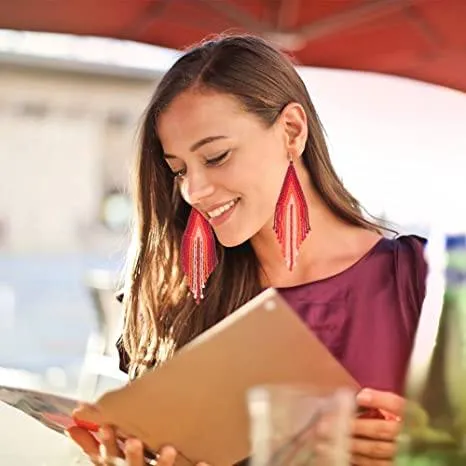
231 144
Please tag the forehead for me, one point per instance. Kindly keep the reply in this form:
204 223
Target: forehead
194 115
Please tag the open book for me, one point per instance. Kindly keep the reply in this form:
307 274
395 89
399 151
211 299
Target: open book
197 400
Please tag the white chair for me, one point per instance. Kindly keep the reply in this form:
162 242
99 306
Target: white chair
100 371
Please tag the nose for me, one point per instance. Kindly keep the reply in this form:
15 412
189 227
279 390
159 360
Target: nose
196 187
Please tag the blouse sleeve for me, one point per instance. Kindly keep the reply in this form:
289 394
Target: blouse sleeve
411 272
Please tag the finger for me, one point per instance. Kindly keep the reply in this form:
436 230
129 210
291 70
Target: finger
84 410
167 456
373 449
85 440
109 443
385 401
357 460
376 429
134 452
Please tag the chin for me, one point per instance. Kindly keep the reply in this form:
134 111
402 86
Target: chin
230 241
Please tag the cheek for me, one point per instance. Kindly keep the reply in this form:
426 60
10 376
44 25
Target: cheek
183 188
264 190
270 177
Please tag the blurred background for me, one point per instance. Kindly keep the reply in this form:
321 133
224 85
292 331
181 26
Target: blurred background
387 77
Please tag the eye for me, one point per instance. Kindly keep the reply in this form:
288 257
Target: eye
219 159
179 173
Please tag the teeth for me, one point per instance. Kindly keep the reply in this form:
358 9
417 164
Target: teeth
220 210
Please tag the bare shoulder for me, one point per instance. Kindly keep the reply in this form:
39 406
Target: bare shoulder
362 242
368 239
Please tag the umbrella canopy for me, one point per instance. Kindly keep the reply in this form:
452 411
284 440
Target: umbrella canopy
421 39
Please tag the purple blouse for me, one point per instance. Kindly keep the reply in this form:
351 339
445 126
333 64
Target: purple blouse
367 315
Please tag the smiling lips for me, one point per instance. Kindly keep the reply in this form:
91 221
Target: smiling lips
214 213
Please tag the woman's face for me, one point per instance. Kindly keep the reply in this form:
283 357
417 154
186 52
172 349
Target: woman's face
229 166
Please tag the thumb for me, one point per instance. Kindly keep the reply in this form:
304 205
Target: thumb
84 439
386 402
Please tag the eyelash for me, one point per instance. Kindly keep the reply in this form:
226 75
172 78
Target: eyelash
179 173
217 160
212 162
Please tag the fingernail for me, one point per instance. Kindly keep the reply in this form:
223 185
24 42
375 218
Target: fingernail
364 396
168 450
390 417
132 446
84 405
104 433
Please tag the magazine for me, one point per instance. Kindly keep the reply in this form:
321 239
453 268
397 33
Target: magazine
196 401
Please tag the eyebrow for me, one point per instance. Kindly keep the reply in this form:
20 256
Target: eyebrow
197 145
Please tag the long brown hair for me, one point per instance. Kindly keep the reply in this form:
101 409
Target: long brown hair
160 314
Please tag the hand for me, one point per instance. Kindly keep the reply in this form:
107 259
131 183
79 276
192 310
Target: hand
374 440
105 452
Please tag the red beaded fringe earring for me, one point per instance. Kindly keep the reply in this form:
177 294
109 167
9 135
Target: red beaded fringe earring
198 255
291 220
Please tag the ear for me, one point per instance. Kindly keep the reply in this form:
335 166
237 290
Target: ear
293 121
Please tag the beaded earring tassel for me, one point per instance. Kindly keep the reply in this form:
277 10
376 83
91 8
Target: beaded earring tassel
198 255
291 219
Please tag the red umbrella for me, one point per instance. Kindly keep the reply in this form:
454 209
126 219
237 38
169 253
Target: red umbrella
421 39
